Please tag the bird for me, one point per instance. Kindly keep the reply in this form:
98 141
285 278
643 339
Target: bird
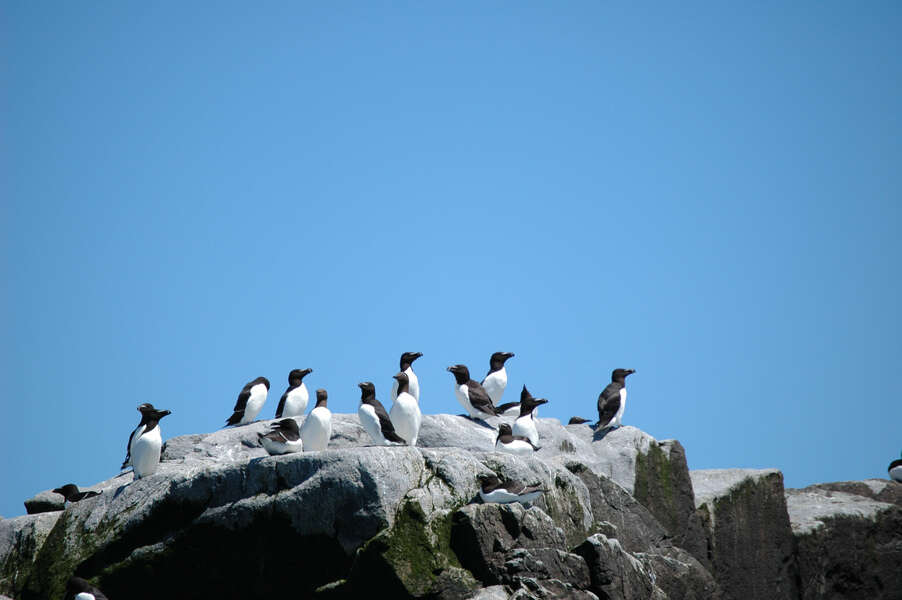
612 400
282 438
317 427
407 368
495 380
525 425
577 421
471 394
145 442
895 470
513 444
293 402
374 418
494 490
249 402
79 589
71 493
405 411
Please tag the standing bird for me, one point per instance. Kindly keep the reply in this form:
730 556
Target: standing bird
612 400
373 417
249 402
513 444
145 442
495 380
293 402
895 470
79 589
283 438
405 412
317 427
505 492
471 395
525 424
71 493
407 368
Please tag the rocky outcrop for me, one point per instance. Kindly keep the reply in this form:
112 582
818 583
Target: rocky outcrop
47 501
849 545
749 539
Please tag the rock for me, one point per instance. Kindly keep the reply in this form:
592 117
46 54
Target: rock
21 539
749 539
679 574
882 490
848 546
47 501
615 574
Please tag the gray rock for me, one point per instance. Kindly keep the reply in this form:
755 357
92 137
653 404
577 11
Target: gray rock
679 574
47 501
616 574
748 533
882 490
21 539
848 546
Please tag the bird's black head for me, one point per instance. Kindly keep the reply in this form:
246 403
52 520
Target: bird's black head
321 397
408 357
288 425
148 412
76 585
504 429
488 480
367 390
296 376
461 373
498 359
620 374
403 381
528 403
262 380
67 490
146 408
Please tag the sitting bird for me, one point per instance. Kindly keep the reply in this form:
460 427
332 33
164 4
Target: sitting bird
504 492
71 493
895 470
513 444
282 438
79 589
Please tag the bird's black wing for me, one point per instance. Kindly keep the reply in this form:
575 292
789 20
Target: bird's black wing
895 463
514 487
281 405
503 408
240 405
608 403
388 428
83 495
479 398
128 447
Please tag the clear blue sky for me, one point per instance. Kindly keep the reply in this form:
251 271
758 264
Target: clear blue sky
708 193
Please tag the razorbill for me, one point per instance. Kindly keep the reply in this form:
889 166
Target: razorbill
513 444
407 368
471 395
71 493
504 492
405 411
895 470
577 421
249 402
612 400
145 442
525 425
374 418
283 438
495 380
293 402
317 427
79 589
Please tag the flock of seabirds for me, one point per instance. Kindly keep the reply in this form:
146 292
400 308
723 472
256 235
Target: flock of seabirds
399 425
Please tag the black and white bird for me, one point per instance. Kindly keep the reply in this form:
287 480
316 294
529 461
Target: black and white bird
895 470
145 442
513 444
612 400
407 368
471 395
405 411
577 421
495 380
249 402
374 418
317 427
71 493
494 490
525 425
293 402
282 438
79 589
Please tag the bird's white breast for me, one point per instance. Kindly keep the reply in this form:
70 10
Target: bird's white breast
494 385
526 427
84 596
146 452
286 447
502 496
296 402
406 417
317 429
518 447
254 403
618 418
370 421
896 473
463 396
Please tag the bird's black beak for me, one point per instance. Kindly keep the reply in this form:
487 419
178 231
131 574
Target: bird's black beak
450 369
163 413
508 355
630 371
541 401
360 385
